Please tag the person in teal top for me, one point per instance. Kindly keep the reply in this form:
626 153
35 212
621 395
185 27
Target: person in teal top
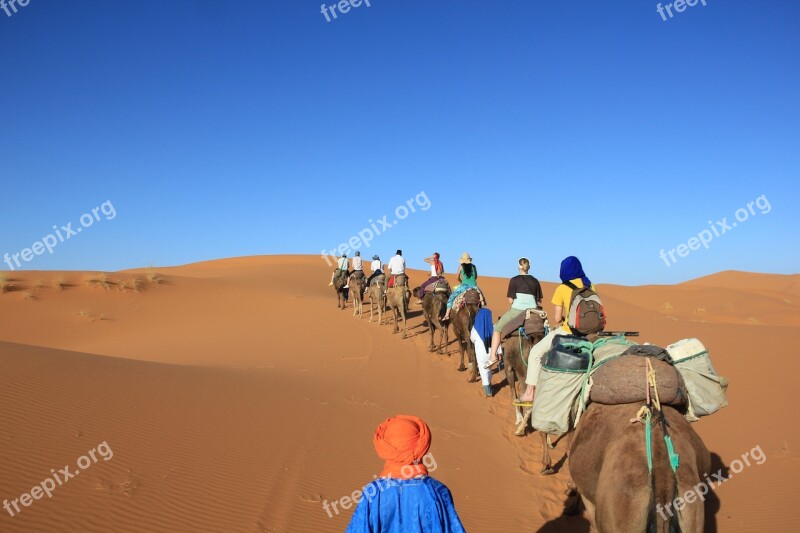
468 276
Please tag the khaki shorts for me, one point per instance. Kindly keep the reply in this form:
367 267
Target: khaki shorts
506 318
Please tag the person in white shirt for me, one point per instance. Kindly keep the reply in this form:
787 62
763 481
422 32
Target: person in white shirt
358 271
375 266
341 264
358 263
397 266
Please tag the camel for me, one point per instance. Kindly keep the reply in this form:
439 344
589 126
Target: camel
397 300
463 319
377 297
357 288
433 308
515 354
609 469
516 349
339 281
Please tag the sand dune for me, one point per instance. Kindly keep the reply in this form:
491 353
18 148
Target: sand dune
236 397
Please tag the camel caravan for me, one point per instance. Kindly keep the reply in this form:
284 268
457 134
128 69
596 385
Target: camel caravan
624 409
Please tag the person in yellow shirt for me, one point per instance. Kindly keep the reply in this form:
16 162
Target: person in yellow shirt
572 272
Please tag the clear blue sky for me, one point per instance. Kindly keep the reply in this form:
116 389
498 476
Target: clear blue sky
534 128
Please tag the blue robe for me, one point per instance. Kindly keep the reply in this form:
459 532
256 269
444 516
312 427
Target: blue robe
420 505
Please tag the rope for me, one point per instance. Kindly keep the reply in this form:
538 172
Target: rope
645 415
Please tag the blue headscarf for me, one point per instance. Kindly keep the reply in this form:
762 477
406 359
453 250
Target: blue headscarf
571 268
484 327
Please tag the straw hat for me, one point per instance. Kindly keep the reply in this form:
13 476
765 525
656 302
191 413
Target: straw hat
465 258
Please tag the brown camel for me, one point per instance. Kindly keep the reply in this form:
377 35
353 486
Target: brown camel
516 349
463 319
339 281
377 297
397 300
433 308
357 284
608 464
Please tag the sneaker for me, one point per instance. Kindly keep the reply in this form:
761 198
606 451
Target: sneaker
487 391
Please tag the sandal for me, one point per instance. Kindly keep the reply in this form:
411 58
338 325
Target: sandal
522 404
490 364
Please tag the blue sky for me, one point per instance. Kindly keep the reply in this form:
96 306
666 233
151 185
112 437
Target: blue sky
542 129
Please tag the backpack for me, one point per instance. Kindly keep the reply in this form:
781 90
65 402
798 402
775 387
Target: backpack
586 313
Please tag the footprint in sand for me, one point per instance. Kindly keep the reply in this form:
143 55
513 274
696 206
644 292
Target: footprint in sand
311 498
364 403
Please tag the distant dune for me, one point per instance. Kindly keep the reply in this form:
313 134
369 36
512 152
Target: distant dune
236 397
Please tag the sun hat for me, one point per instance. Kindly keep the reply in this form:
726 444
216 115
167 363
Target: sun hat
465 258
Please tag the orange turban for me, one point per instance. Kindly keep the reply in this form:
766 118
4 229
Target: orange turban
402 441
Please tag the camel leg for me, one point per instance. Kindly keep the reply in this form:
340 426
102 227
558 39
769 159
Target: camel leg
590 514
461 366
442 339
522 427
572 507
405 331
473 364
547 462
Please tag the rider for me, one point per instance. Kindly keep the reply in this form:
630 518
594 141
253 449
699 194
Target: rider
341 264
397 266
375 266
437 271
524 292
571 271
358 263
467 275
358 268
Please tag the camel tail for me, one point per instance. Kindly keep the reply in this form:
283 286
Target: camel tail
652 518
654 525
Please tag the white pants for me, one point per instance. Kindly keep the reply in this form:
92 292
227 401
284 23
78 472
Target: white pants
537 353
482 357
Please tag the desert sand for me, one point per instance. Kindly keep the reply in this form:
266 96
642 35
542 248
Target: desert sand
236 397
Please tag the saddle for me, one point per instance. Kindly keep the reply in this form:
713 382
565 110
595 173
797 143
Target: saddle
380 279
339 275
439 286
398 280
531 321
470 296
357 275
